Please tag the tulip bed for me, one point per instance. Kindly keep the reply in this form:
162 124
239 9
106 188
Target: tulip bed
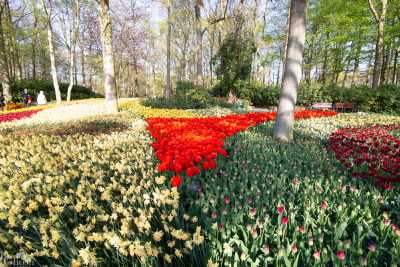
372 153
101 191
187 145
276 204
17 115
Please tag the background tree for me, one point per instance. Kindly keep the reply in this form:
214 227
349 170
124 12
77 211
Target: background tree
110 90
380 21
48 10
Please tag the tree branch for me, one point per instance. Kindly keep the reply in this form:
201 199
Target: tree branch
218 19
373 10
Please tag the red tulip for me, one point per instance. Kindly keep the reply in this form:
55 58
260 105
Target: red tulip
285 220
176 181
341 255
280 209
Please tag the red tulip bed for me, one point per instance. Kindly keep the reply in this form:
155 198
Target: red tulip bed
187 145
371 153
18 115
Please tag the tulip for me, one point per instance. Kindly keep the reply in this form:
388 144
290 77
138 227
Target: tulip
317 255
280 209
340 254
176 181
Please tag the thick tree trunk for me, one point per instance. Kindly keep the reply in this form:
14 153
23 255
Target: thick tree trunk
380 20
110 90
283 130
168 88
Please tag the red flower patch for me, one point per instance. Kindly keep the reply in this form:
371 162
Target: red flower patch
187 145
17 115
371 153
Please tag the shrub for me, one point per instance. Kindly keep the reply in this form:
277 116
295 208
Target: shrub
385 100
265 96
35 86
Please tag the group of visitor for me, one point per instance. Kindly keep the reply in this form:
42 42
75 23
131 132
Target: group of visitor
27 98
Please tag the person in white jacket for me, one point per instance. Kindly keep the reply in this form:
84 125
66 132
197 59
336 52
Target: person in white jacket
41 99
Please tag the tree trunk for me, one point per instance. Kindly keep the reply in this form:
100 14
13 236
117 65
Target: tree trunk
369 67
53 64
51 51
168 88
199 44
380 20
72 51
396 56
325 64
71 73
386 61
356 62
287 35
83 70
283 130
110 88
135 67
4 72
348 62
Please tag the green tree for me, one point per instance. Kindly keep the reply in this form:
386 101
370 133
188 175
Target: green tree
233 62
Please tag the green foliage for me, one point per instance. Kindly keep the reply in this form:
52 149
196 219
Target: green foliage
35 86
183 87
265 96
187 96
233 63
386 99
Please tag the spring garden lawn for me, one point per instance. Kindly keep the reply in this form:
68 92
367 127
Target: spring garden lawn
96 189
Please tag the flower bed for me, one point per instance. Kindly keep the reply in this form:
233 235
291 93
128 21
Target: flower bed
90 200
276 204
135 107
371 153
189 145
18 115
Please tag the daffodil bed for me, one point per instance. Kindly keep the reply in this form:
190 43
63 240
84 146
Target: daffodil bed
88 192
85 198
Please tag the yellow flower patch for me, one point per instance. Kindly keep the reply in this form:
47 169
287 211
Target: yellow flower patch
135 107
97 195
